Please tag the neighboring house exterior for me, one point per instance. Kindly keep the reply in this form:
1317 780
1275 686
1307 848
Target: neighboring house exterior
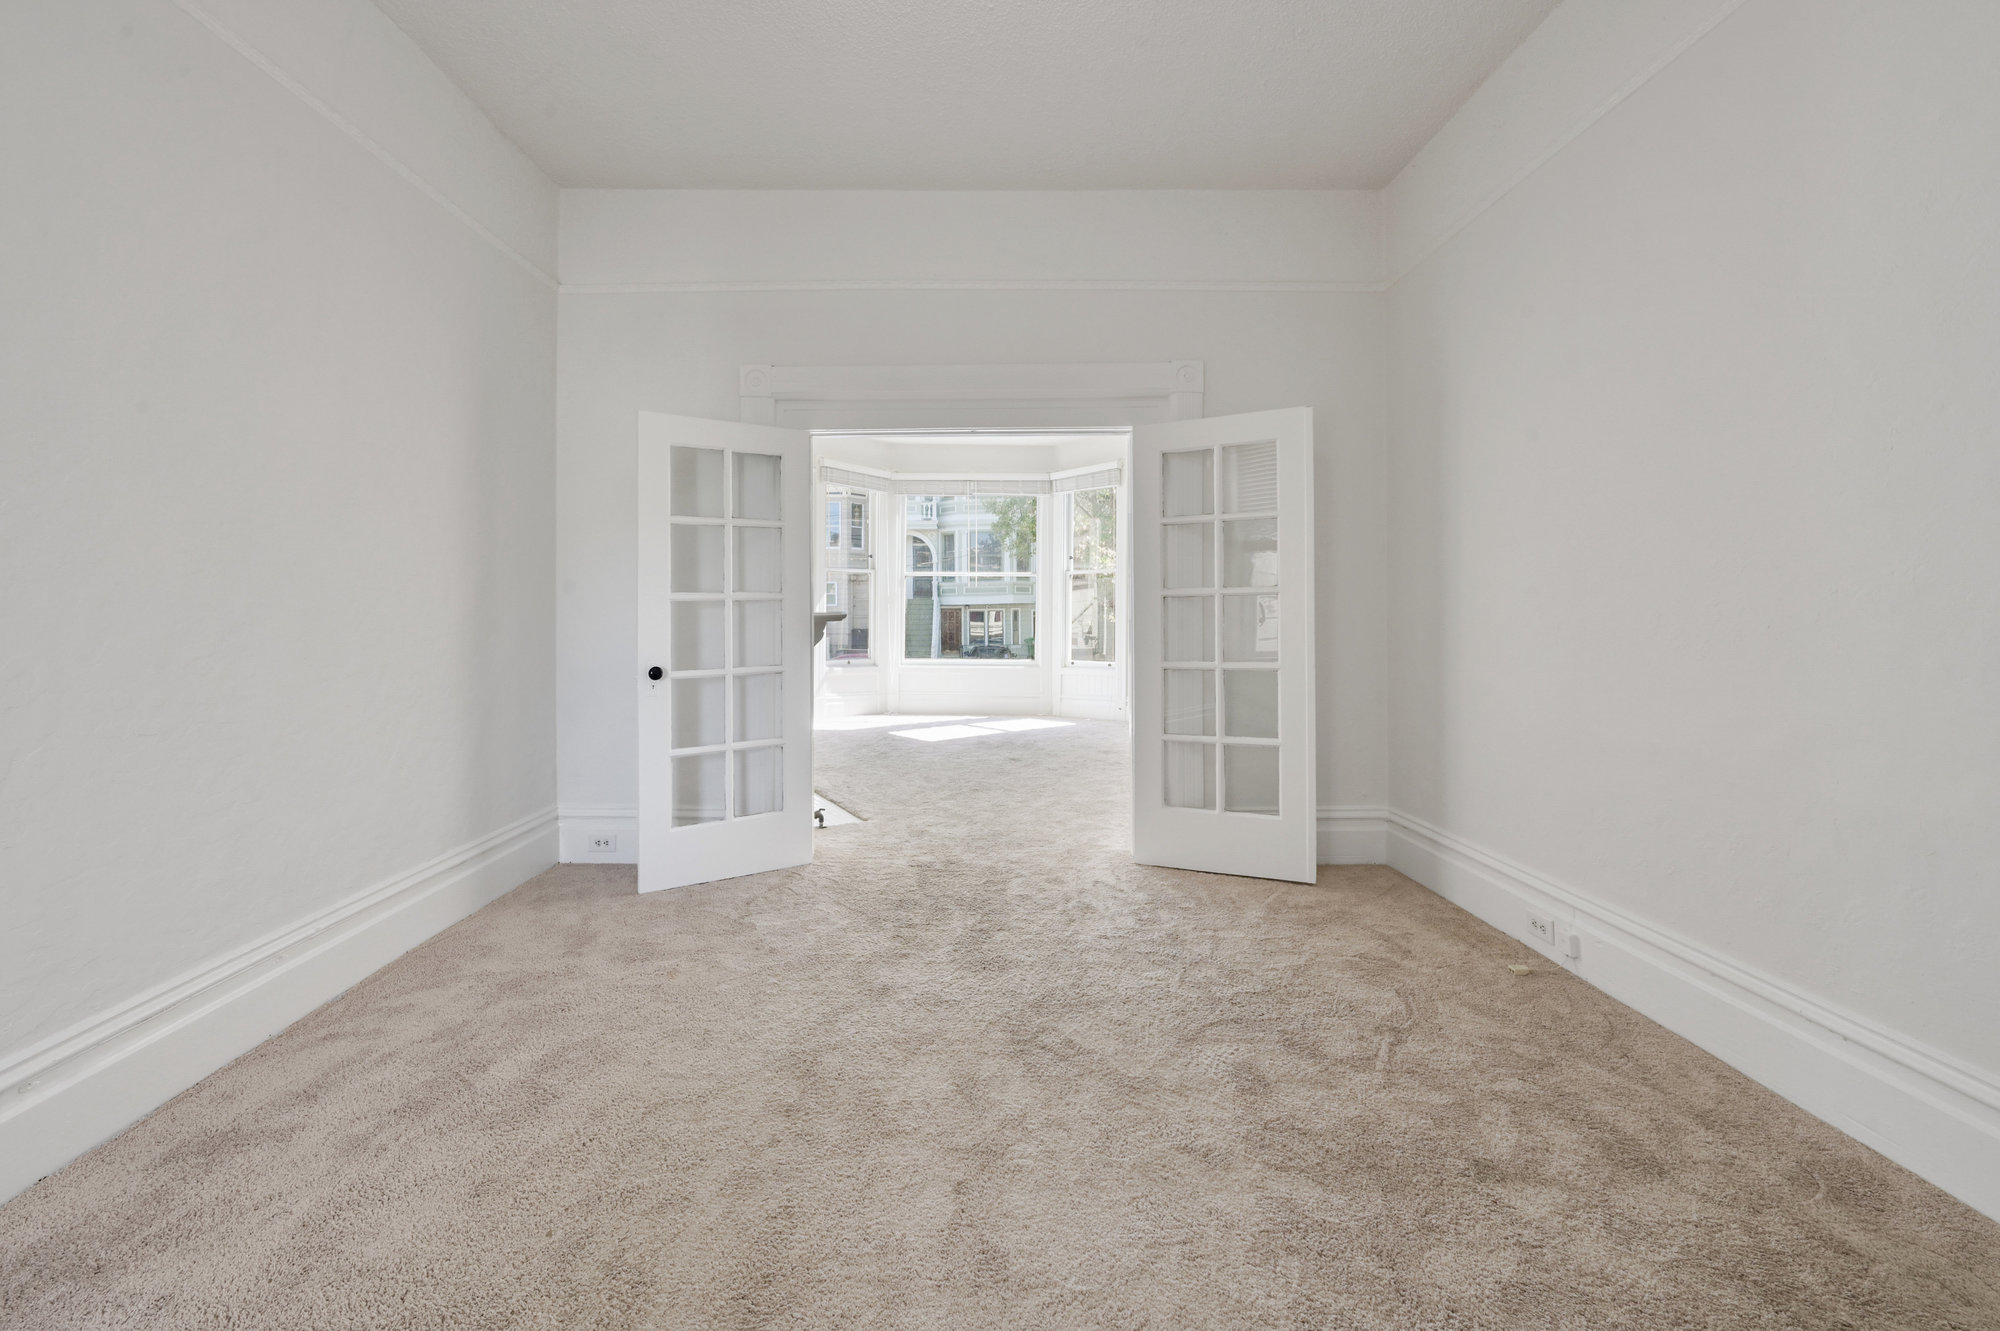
969 577
849 565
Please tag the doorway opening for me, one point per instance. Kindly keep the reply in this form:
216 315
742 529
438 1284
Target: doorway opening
969 582
991 581
971 573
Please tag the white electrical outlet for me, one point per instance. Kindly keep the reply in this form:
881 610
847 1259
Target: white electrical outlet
604 843
1543 929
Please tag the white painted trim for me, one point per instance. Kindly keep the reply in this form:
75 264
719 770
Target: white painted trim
354 132
1089 709
577 825
1400 260
1926 1110
829 396
1353 834
84 1085
962 284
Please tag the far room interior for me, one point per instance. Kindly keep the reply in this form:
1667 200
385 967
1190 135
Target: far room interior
1048 664
990 562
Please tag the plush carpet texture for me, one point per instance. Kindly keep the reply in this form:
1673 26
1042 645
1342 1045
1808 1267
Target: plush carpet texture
973 1068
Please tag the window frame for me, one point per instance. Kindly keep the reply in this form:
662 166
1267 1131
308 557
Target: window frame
837 507
928 509
1071 571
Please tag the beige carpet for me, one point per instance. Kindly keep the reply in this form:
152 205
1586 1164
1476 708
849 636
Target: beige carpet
973 1069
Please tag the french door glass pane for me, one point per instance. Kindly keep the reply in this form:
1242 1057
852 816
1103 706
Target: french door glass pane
1249 478
698 788
757 712
1250 553
759 559
1189 554
1250 778
759 486
760 781
757 638
697 556
697 482
1190 702
1189 775
1250 628
1188 483
698 639
1250 703
697 709
1190 628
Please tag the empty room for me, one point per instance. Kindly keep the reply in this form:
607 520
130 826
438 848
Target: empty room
1016 665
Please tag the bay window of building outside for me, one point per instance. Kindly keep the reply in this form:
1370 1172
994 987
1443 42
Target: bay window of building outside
969 583
849 560
1093 569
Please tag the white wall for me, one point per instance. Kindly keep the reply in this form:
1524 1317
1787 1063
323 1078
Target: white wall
1695 619
792 239
1298 325
1682 571
276 559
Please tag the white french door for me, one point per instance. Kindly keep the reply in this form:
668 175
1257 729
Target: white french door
725 633
1222 602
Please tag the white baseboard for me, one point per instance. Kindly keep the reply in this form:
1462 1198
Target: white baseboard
581 828
1091 709
1354 834
1929 1112
69 1093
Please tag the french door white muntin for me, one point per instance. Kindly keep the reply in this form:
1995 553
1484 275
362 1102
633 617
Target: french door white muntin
1223 692
725 649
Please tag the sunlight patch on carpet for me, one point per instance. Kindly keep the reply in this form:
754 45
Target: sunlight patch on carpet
998 726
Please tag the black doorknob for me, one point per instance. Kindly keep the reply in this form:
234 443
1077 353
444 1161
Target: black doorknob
654 673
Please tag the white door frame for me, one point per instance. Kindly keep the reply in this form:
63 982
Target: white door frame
971 397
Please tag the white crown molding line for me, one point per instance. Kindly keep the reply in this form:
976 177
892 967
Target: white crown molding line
963 284
368 144
1930 1112
64 1095
1575 131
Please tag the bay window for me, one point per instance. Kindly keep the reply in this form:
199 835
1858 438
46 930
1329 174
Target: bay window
849 560
1093 560
969 585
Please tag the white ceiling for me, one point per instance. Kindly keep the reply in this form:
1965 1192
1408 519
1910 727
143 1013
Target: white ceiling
969 94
